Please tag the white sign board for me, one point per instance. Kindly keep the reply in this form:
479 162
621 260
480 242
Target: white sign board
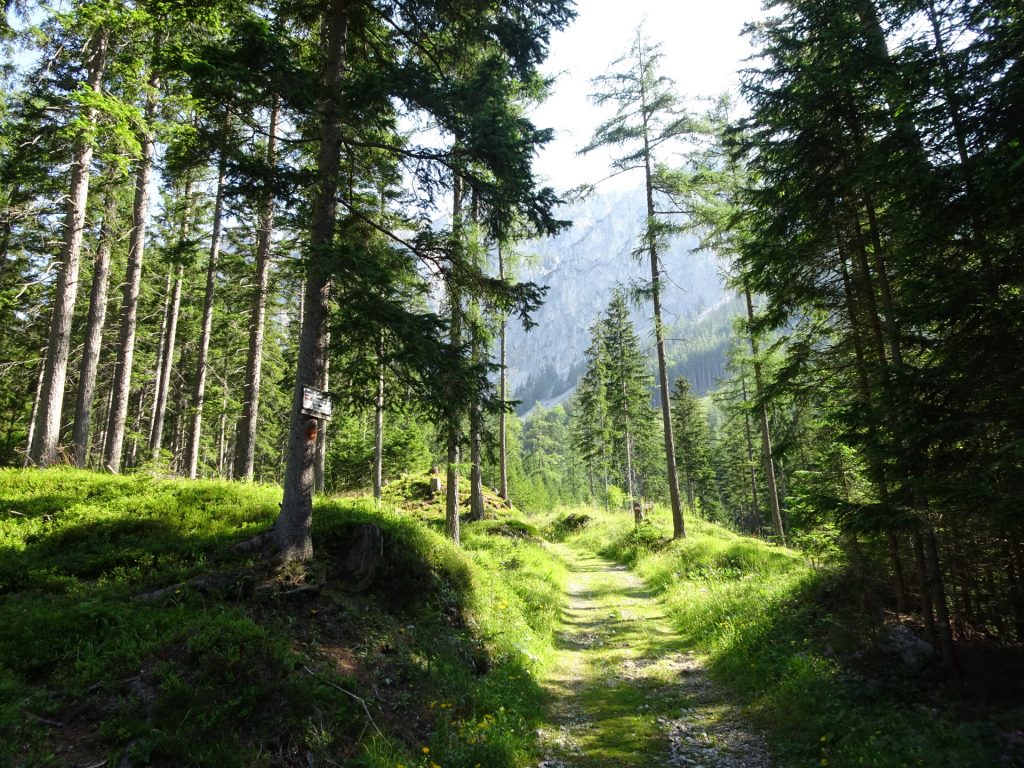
316 403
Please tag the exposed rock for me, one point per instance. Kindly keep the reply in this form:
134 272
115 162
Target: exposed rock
581 266
913 651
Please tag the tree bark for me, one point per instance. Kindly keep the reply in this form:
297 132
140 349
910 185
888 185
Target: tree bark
7 228
245 449
378 428
292 530
132 458
35 407
203 357
942 624
222 433
94 329
320 472
877 469
156 436
766 439
105 421
927 609
454 438
678 524
156 433
132 284
755 518
503 394
476 485
158 374
44 450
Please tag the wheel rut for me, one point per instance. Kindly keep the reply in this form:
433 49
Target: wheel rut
624 692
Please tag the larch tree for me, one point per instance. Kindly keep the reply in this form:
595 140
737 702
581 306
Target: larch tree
648 115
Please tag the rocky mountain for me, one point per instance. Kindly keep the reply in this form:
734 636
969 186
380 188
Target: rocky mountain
581 268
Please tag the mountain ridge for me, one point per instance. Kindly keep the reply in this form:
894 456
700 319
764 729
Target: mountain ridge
581 267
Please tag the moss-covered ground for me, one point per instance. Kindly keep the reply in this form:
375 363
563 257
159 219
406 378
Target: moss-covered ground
133 633
800 649
101 664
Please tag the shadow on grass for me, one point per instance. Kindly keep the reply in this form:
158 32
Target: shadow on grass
824 687
225 678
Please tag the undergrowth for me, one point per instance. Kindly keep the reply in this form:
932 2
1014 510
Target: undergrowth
113 648
796 645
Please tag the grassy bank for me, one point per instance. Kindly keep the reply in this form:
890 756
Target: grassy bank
132 632
801 647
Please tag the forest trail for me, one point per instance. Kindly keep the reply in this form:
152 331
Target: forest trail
624 692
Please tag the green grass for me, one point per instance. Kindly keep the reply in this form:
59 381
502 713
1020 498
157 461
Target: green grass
613 682
793 644
441 654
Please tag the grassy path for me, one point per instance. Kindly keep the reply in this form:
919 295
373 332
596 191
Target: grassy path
623 691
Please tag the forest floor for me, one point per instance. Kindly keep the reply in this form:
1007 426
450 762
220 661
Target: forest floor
625 691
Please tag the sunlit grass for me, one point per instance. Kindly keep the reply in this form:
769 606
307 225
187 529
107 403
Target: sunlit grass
755 611
444 650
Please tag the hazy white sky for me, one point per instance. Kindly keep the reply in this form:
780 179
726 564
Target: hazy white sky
703 50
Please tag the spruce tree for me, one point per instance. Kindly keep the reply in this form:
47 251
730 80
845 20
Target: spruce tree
693 447
649 114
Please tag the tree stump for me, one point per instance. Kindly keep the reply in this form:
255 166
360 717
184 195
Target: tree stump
435 480
365 555
638 512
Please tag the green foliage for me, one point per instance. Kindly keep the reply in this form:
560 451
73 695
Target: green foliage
786 640
242 674
615 429
350 455
693 448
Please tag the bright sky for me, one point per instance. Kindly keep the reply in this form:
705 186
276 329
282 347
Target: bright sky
703 51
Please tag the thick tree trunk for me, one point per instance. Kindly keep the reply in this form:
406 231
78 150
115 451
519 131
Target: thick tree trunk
766 439
105 421
678 524
94 329
43 450
245 449
292 529
202 359
132 284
